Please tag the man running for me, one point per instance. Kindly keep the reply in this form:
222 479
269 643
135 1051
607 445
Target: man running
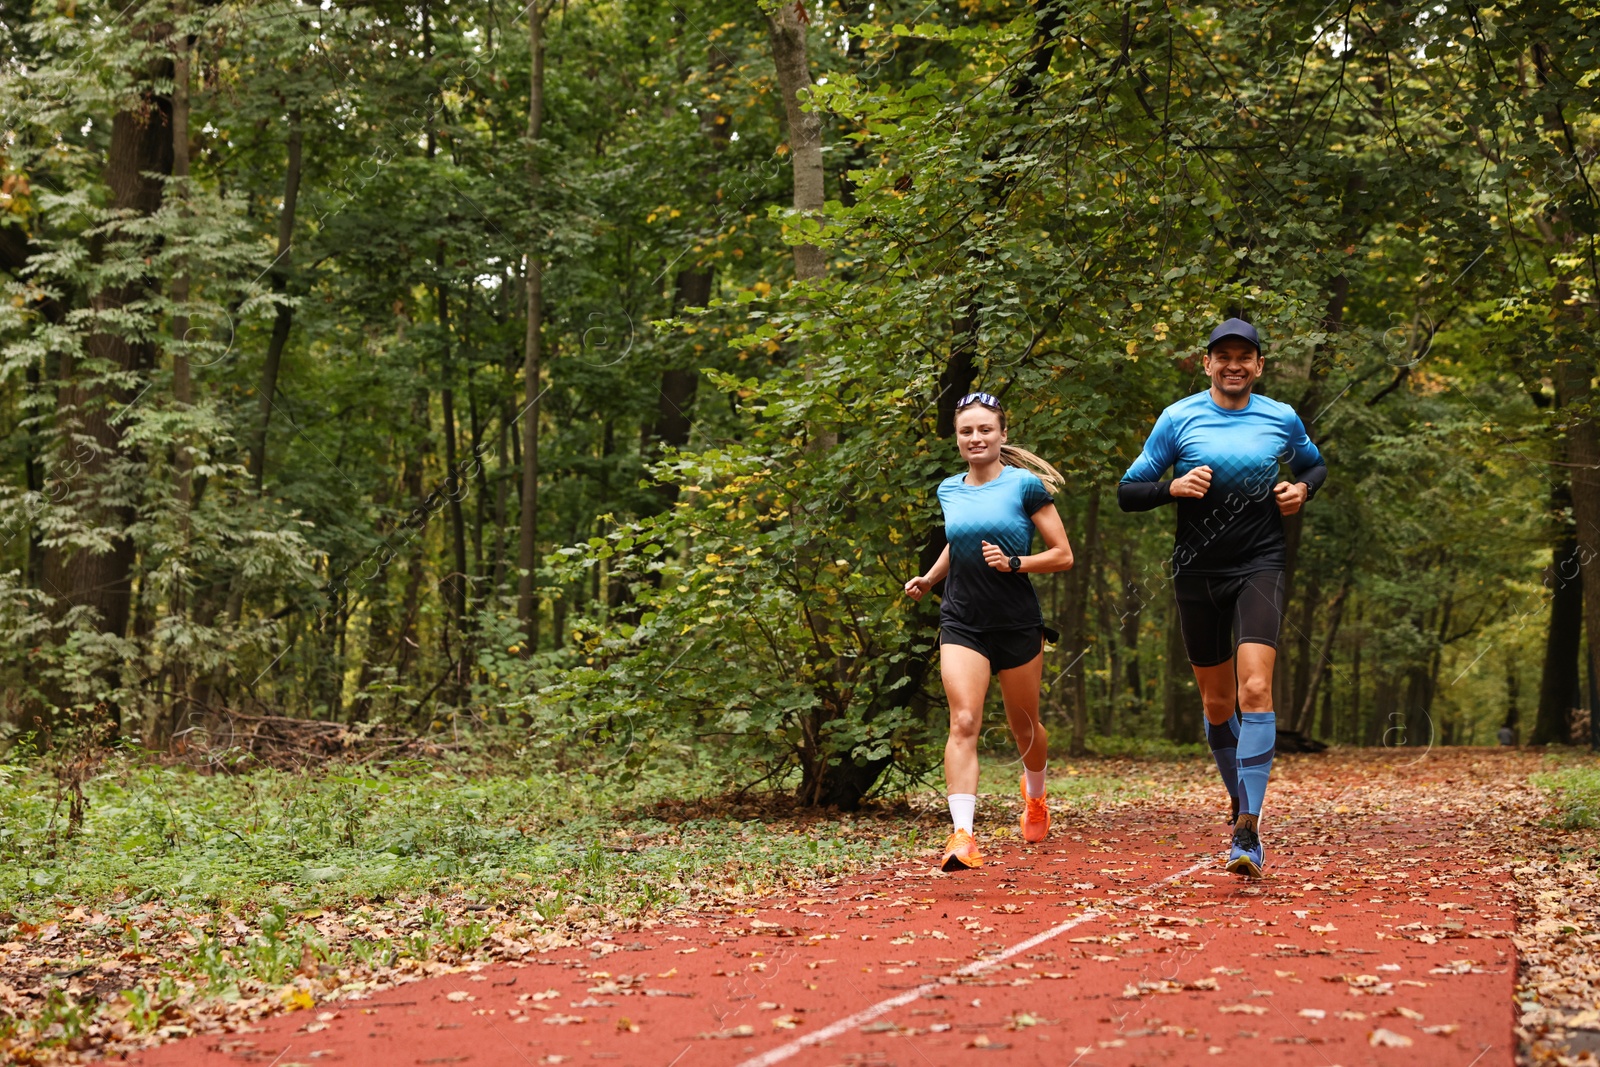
1224 446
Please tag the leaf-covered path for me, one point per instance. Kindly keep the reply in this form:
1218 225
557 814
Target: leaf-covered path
1382 934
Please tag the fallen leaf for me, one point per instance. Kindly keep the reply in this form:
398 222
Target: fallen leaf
1381 1038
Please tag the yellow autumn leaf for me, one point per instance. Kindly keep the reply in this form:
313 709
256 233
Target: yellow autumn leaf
295 998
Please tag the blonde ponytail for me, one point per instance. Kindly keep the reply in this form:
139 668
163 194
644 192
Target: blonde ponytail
1013 456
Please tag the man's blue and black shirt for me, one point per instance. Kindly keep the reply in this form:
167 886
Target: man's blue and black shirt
1235 529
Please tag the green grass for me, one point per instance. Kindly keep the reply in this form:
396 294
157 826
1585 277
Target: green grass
225 887
1076 783
1147 748
487 829
1575 787
351 832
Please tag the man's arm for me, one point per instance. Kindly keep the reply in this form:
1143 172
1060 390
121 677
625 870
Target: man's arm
1306 467
1142 488
1305 461
1143 496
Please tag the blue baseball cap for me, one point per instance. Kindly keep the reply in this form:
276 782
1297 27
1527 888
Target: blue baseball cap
1234 328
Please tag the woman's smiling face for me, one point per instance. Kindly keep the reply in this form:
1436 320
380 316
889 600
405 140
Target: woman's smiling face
979 434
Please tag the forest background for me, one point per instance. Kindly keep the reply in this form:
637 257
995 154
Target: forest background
586 368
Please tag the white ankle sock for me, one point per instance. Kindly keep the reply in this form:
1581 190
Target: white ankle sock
962 808
1035 780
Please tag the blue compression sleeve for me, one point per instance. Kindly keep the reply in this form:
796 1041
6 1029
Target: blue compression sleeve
1258 739
1224 741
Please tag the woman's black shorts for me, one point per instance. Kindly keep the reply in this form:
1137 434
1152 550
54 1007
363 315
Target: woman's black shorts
1219 614
1005 648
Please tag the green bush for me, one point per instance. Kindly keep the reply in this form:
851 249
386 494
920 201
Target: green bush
1576 791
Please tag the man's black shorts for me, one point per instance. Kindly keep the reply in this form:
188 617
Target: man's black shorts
1005 648
1218 614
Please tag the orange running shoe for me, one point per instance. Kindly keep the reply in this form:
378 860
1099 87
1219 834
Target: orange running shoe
961 852
1035 816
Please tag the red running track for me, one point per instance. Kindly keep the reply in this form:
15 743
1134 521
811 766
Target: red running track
1120 944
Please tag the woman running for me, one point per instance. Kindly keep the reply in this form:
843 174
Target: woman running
989 620
1225 447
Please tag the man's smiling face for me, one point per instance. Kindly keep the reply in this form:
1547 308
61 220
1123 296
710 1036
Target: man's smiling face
1233 365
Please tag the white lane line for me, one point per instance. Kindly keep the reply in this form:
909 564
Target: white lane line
883 1007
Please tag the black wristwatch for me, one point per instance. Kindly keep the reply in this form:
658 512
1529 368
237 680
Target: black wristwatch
1016 564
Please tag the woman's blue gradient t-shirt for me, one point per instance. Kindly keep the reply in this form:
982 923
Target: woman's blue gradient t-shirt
1000 511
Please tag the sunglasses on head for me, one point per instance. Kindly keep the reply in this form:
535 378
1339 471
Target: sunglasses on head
988 400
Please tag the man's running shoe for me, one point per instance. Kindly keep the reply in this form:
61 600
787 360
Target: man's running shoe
1247 856
961 852
1035 816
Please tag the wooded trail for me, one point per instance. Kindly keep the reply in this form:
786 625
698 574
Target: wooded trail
1380 934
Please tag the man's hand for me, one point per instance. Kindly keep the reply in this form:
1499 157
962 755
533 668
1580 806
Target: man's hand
997 557
918 587
1291 496
1195 484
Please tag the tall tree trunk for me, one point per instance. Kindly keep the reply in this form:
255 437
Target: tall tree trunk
1558 681
786 29
787 32
679 384
502 490
676 392
1304 659
1301 721
380 621
527 538
182 387
140 155
1382 725
1574 375
481 473
1572 329
1100 595
1513 696
406 644
827 778
1330 729
1352 727
267 388
1420 730
1130 617
1178 719
1592 704
33 461
1077 637
455 484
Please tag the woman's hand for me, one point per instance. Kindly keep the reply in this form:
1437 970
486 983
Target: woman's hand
1195 484
997 557
918 587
